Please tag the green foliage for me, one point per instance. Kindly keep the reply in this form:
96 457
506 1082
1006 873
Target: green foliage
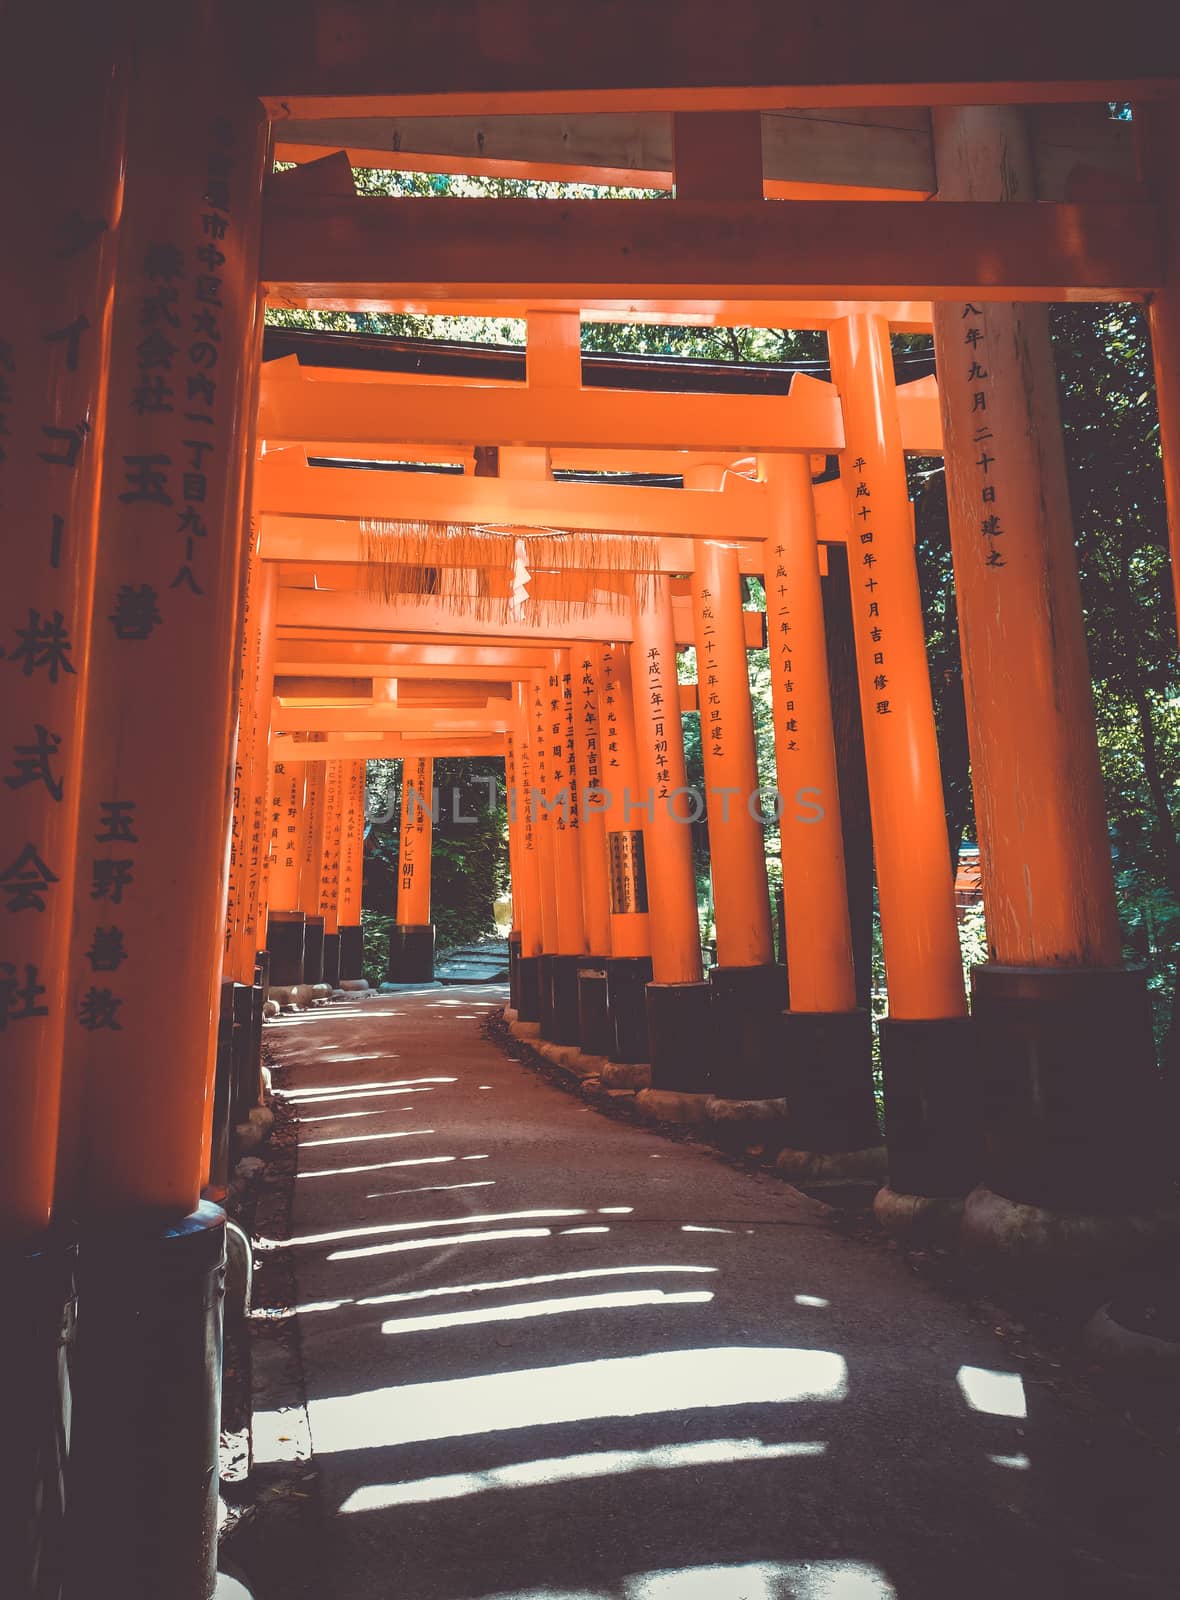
469 854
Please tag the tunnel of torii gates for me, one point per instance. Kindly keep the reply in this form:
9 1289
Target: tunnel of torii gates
215 612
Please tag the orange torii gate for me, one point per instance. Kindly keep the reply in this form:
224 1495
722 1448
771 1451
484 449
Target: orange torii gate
131 388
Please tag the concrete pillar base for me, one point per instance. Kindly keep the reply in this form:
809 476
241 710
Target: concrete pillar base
593 1009
680 1036
560 1023
821 1166
143 1470
284 940
920 1221
1071 1100
1012 1239
313 950
1119 1336
528 988
747 1006
626 1075
931 1110
332 959
352 953
411 953
35 1400
665 1105
626 980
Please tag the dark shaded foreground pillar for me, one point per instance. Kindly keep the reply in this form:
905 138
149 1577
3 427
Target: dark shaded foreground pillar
35 1397
142 1480
411 953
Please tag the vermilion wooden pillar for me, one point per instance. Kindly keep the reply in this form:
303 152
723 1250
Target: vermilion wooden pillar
154 817
62 112
330 870
411 939
285 918
559 1020
152 844
747 987
824 1043
628 808
1157 134
593 994
352 872
678 1000
588 759
819 939
261 638
1072 1106
311 851
526 886
62 107
925 1040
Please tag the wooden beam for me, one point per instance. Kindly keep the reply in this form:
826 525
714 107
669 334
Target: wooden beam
543 251
350 414
348 658
375 746
386 717
807 153
283 488
368 58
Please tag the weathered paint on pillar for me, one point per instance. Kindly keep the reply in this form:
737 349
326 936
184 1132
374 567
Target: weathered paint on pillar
62 114
414 842
1039 804
673 920
157 778
920 936
628 806
737 849
288 797
528 864
588 755
1157 139
815 890
352 843
330 850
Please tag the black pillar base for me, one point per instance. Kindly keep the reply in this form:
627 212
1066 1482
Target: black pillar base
352 953
313 950
245 1068
1071 1099
931 1105
513 958
411 953
824 1070
545 994
747 1006
284 940
528 988
332 959
627 978
262 970
142 1484
223 1093
559 1024
680 1037
594 1031
35 1402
